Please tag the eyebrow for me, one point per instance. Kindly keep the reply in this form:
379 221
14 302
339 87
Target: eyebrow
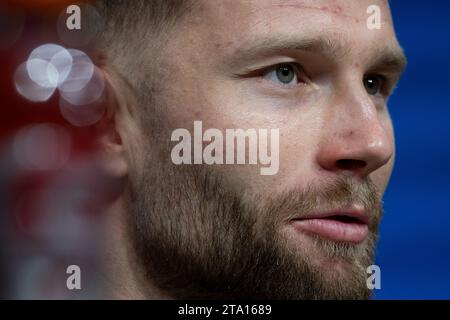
384 58
270 45
390 59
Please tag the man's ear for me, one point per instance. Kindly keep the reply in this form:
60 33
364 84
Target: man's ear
112 131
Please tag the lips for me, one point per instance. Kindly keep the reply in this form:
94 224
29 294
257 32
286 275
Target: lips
339 226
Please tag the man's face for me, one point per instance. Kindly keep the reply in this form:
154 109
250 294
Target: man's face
315 71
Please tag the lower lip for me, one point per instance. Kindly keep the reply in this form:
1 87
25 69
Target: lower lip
333 230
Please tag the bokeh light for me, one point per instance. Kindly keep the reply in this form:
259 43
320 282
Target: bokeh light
42 147
89 93
63 62
49 65
28 88
81 72
43 73
81 84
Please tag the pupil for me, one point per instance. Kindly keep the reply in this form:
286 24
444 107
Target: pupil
285 74
371 85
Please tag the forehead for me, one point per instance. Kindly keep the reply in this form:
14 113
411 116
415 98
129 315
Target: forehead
260 12
226 25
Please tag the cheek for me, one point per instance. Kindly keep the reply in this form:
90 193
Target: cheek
298 130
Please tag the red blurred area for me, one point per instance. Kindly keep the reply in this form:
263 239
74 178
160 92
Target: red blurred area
47 6
40 209
39 27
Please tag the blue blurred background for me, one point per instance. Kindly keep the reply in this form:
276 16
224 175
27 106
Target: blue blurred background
414 247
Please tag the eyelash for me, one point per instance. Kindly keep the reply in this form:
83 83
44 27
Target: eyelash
386 87
260 73
297 69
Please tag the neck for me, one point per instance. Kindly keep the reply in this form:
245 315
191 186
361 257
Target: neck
124 278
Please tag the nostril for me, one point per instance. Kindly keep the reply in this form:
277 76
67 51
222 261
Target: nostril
350 164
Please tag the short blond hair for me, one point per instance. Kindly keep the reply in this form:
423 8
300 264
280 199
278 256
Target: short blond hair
131 27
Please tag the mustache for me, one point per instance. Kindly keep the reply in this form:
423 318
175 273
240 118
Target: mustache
319 197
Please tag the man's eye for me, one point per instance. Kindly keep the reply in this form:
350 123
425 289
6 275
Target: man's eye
373 84
284 74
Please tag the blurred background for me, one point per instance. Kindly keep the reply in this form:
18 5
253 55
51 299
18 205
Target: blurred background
414 247
52 192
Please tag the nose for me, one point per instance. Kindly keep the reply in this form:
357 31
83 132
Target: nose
357 139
